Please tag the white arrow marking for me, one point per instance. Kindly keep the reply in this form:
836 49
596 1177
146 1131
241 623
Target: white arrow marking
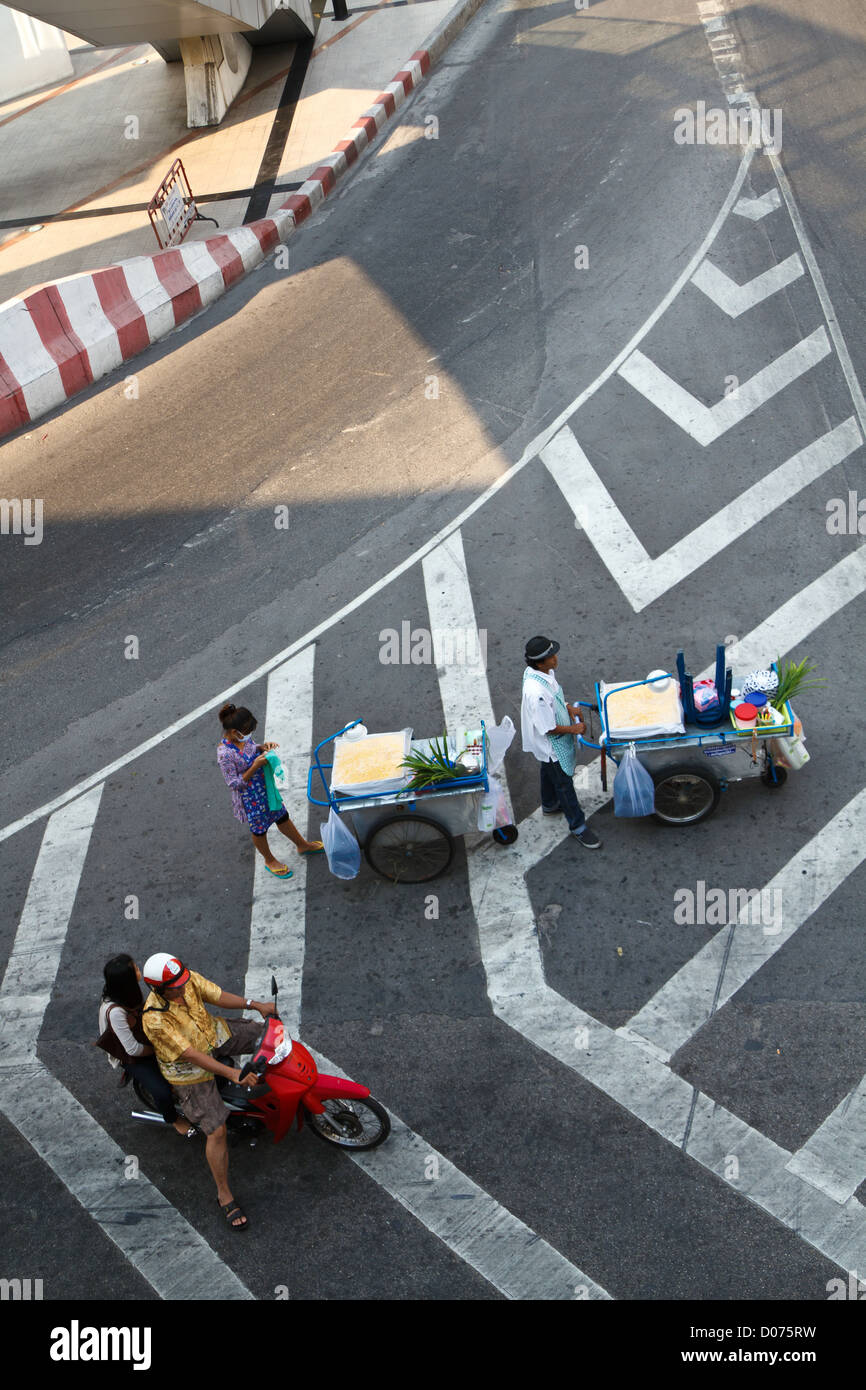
643 579
834 1157
756 208
734 299
164 1248
707 423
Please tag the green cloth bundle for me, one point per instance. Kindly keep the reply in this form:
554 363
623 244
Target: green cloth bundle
272 769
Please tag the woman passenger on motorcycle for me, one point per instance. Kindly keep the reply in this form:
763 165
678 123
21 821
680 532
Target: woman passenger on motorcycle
120 1010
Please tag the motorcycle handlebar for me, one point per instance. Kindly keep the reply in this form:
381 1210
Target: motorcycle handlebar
258 1065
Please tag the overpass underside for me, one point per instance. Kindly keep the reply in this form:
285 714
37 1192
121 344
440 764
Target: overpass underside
214 40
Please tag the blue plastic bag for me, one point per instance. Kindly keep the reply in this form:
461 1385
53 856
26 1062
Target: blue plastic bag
342 849
633 789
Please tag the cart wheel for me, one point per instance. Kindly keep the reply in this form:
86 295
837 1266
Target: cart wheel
504 834
685 793
774 777
409 849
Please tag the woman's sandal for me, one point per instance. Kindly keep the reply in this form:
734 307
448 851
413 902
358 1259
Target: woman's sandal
231 1214
316 847
287 872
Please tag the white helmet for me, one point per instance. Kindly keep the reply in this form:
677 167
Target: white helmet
161 970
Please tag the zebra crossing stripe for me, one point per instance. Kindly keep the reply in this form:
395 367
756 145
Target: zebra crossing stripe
277 931
734 299
706 424
164 1248
643 579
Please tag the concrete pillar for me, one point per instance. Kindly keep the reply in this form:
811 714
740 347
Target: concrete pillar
215 67
32 54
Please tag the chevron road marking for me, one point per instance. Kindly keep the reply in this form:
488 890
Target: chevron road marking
643 579
705 423
734 299
633 1073
164 1248
477 1228
705 983
756 208
834 1157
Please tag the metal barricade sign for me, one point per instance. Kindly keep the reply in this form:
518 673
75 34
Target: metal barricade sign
172 209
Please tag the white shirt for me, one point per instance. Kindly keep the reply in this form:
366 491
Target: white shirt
120 1027
538 715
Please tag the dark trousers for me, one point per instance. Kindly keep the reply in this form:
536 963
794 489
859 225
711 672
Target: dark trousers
557 791
146 1070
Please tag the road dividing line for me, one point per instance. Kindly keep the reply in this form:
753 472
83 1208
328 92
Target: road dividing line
277 930
643 579
734 299
756 208
162 1247
704 985
705 423
834 1157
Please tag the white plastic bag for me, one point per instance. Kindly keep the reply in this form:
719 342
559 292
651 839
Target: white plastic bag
487 808
499 737
633 790
341 847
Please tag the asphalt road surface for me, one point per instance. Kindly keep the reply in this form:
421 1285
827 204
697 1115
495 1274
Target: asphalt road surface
640 1102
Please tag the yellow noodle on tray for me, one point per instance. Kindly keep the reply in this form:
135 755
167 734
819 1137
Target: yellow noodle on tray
643 711
369 761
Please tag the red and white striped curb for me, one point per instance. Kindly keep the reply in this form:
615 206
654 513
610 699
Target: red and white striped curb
61 338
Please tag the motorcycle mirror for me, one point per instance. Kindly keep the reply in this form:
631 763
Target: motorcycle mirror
274 995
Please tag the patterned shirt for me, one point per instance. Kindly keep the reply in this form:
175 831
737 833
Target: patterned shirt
185 1023
234 761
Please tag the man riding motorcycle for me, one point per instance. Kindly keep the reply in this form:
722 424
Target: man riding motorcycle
189 1044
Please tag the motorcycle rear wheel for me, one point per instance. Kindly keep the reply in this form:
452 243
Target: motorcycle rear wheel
363 1124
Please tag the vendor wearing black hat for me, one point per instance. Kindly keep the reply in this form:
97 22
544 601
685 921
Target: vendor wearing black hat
548 725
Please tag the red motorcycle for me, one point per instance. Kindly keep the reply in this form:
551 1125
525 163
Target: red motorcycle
290 1085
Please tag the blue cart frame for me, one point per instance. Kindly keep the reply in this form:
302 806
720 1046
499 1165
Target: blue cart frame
687 786
408 835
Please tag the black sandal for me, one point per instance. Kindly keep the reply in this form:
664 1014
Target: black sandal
230 1215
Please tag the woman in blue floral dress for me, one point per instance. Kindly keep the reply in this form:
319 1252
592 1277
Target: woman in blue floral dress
241 760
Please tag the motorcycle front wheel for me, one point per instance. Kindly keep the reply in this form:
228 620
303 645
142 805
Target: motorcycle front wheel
351 1124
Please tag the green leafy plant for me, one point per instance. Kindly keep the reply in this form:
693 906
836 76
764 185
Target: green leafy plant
794 676
430 768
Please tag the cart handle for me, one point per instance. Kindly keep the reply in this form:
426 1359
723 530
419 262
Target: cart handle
318 767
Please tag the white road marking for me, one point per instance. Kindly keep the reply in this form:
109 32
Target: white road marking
707 423
631 1071
163 1247
277 931
705 983
834 1157
529 454
734 299
756 208
643 579
477 1228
